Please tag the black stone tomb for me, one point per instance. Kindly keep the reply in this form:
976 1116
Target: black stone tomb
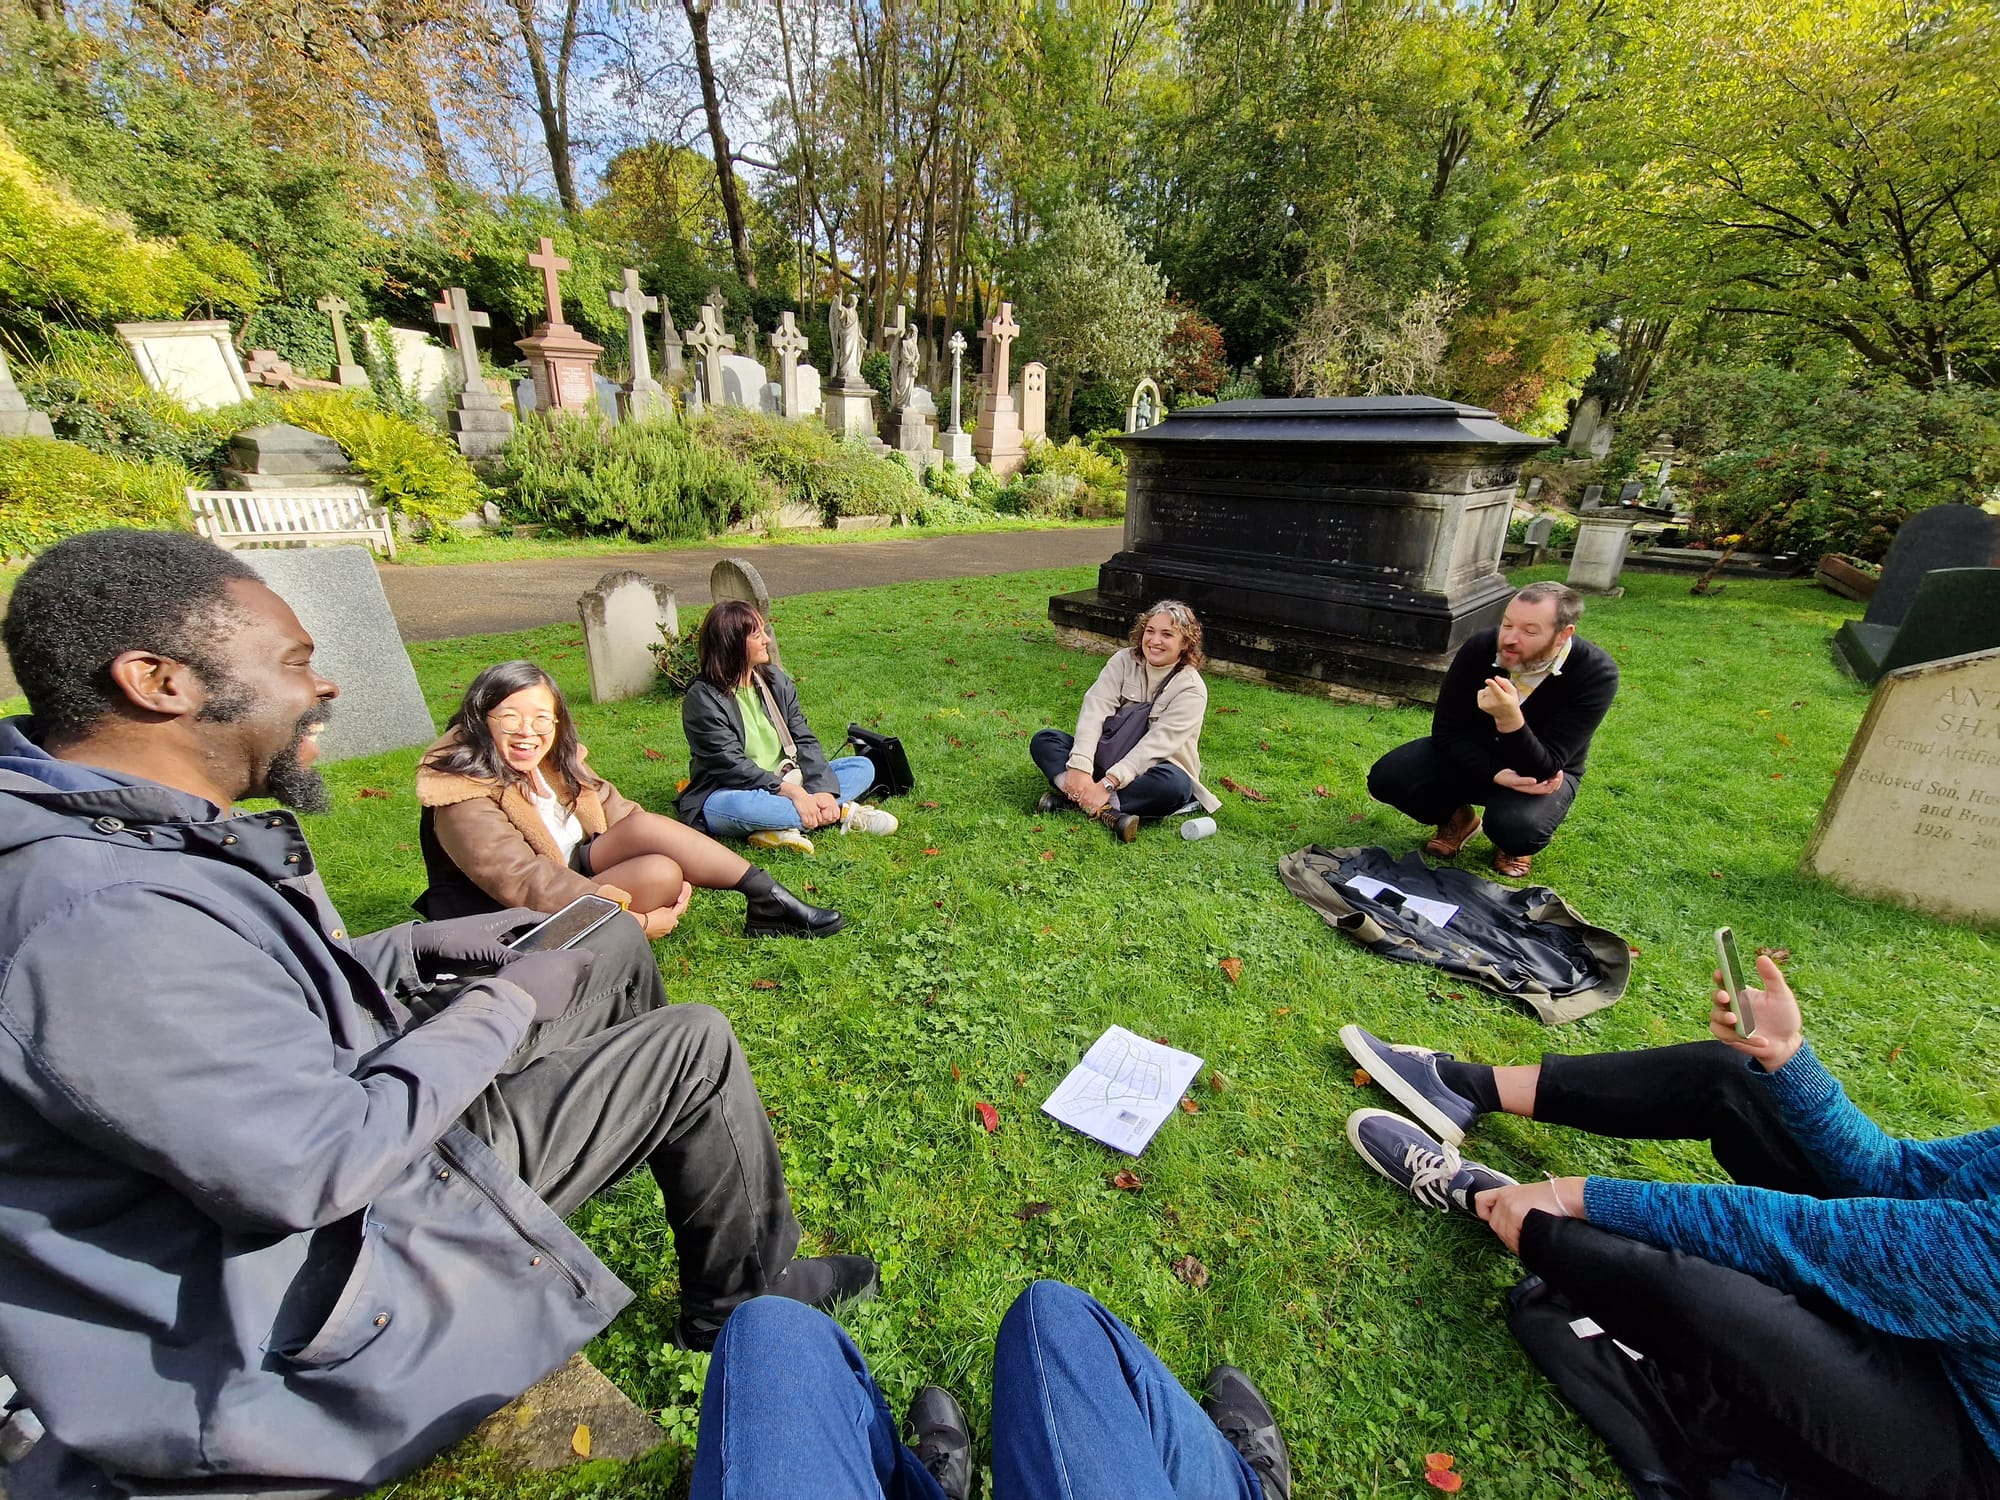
1345 546
1956 537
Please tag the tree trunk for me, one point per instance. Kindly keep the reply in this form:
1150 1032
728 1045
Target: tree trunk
718 139
555 133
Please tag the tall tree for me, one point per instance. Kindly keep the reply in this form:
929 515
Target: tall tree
718 139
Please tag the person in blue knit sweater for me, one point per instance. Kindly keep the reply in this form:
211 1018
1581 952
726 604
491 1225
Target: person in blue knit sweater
1837 1305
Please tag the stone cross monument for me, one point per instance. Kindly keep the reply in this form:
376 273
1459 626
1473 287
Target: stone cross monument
709 343
641 396
673 368
789 344
955 442
345 370
479 423
562 361
999 440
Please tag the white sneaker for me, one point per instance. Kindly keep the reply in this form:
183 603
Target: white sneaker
781 838
859 817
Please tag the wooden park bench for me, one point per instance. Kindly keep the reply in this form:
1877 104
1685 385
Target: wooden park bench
286 518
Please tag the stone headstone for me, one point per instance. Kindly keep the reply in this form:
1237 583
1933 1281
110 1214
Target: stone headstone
743 382
424 368
709 343
1593 495
1914 816
1944 536
1536 537
1534 489
1598 556
1583 426
279 456
1630 491
622 620
17 418
789 344
479 423
562 361
195 363
640 397
810 400
673 365
738 578
1956 610
338 597
1034 403
998 441
345 371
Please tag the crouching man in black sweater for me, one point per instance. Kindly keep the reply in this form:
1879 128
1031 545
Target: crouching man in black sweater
1510 733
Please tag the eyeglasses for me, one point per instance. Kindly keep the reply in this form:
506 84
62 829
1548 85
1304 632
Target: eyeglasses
509 722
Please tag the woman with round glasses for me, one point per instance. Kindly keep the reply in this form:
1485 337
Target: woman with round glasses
1136 752
514 816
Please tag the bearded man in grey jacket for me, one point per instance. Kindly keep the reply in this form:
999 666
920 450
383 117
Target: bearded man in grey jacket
281 1213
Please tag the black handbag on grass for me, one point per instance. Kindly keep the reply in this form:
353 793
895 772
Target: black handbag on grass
891 762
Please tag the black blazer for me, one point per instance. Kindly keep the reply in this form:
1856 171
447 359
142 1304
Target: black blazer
1560 716
716 762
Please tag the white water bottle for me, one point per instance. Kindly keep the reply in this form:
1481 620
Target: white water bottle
1197 828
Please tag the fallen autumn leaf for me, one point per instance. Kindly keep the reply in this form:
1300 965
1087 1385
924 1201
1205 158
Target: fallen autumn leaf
1029 1211
1190 1270
1126 1180
988 1116
1232 968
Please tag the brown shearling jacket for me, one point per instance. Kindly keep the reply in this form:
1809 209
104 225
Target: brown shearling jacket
491 839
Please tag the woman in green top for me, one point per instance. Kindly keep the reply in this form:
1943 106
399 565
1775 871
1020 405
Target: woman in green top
756 770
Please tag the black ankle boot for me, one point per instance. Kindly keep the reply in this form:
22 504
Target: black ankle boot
776 912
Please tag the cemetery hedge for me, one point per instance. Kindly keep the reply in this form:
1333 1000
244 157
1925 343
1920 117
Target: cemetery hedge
652 481
806 465
50 490
1806 459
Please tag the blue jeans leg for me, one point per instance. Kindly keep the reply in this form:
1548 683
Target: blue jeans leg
790 1410
737 812
1083 1410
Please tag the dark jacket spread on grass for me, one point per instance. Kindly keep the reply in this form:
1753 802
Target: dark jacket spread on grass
244 1242
716 762
1560 716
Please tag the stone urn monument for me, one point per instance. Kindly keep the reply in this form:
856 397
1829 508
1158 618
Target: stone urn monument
1346 546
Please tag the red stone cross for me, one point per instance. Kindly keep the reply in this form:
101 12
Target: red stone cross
549 263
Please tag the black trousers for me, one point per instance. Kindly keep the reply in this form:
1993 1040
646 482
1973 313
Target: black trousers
625 1078
1419 779
1164 789
1820 1398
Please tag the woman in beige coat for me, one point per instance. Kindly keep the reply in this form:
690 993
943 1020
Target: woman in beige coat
1136 752
514 816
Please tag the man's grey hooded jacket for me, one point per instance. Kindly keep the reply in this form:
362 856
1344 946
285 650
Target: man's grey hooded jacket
241 1237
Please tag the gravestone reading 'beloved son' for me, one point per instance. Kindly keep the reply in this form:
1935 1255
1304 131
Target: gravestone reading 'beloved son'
1914 817
338 597
622 621
1345 546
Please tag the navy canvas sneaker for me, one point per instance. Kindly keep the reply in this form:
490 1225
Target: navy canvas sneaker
1434 1173
1410 1075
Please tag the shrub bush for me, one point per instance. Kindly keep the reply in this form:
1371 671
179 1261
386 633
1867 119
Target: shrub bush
679 660
1097 406
50 490
652 481
807 465
1807 460
413 469
94 395
1101 476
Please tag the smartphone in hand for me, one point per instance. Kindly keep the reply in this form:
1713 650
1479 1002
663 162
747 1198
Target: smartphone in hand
568 927
1733 980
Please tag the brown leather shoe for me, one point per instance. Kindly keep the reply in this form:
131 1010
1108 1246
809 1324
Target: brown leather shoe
1513 866
1452 834
1124 826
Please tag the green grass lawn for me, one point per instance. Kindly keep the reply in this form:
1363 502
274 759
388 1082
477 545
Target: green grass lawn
987 947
